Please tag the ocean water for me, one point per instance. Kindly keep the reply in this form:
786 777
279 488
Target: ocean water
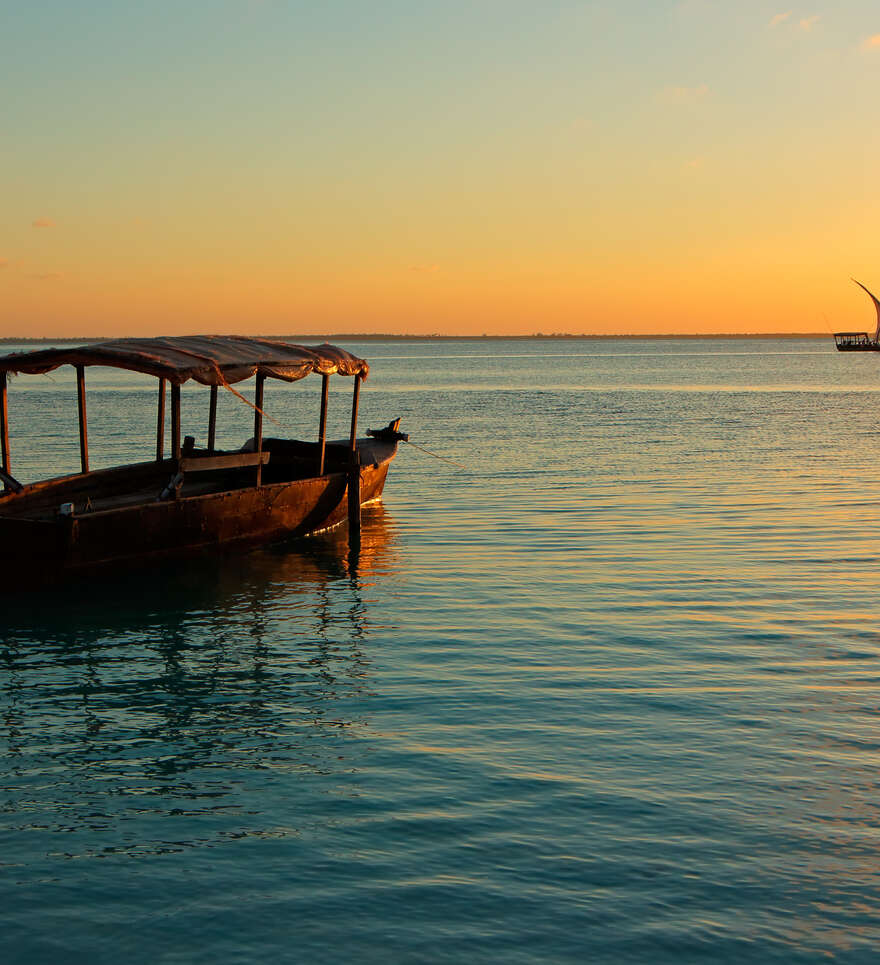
602 685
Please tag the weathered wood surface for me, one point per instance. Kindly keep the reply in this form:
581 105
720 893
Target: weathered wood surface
117 531
212 419
47 494
83 422
10 482
354 499
322 423
355 402
175 420
160 422
233 460
4 424
258 423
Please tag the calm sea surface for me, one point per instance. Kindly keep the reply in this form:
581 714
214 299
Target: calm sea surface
610 693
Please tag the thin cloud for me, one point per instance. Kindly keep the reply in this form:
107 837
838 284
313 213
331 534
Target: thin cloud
4 262
805 24
43 223
424 268
694 164
871 43
780 18
683 95
47 276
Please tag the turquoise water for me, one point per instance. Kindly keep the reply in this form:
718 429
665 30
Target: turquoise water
611 693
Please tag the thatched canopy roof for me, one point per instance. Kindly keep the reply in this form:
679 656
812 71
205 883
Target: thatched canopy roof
209 359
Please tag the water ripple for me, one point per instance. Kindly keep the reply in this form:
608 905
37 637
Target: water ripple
611 694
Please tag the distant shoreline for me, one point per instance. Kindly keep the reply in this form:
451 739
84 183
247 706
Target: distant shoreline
353 337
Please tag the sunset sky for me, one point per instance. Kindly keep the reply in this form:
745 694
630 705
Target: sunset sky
495 166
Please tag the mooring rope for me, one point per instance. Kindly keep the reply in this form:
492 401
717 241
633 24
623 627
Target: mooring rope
435 455
282 424
256 408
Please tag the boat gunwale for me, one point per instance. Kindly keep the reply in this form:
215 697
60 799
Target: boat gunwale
366 446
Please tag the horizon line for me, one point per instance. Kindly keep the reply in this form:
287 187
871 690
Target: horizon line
387 336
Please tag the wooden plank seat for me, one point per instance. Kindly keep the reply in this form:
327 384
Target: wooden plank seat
190 463
231 460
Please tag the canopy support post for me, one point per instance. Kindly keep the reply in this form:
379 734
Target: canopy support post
258 424
175 421
322 429
160 423
354 412
4 427
354 475
212 419
354 502
83 424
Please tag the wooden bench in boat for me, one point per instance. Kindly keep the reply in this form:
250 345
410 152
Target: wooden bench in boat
232 460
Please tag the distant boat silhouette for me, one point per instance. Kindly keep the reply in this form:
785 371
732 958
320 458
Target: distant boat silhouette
860 341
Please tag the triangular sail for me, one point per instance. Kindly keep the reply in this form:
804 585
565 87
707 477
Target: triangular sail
876 305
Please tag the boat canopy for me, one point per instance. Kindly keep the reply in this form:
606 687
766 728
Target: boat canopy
209 359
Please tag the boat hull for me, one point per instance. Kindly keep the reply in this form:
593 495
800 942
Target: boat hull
40 550
855 342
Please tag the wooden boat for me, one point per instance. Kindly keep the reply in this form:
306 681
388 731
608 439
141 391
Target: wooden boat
860 341
198 498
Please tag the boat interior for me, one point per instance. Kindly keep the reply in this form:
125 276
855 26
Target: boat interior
198 472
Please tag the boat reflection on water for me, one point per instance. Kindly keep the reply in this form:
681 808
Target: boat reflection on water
187 692
164 593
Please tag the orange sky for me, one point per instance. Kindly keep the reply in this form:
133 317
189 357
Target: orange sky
646 168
